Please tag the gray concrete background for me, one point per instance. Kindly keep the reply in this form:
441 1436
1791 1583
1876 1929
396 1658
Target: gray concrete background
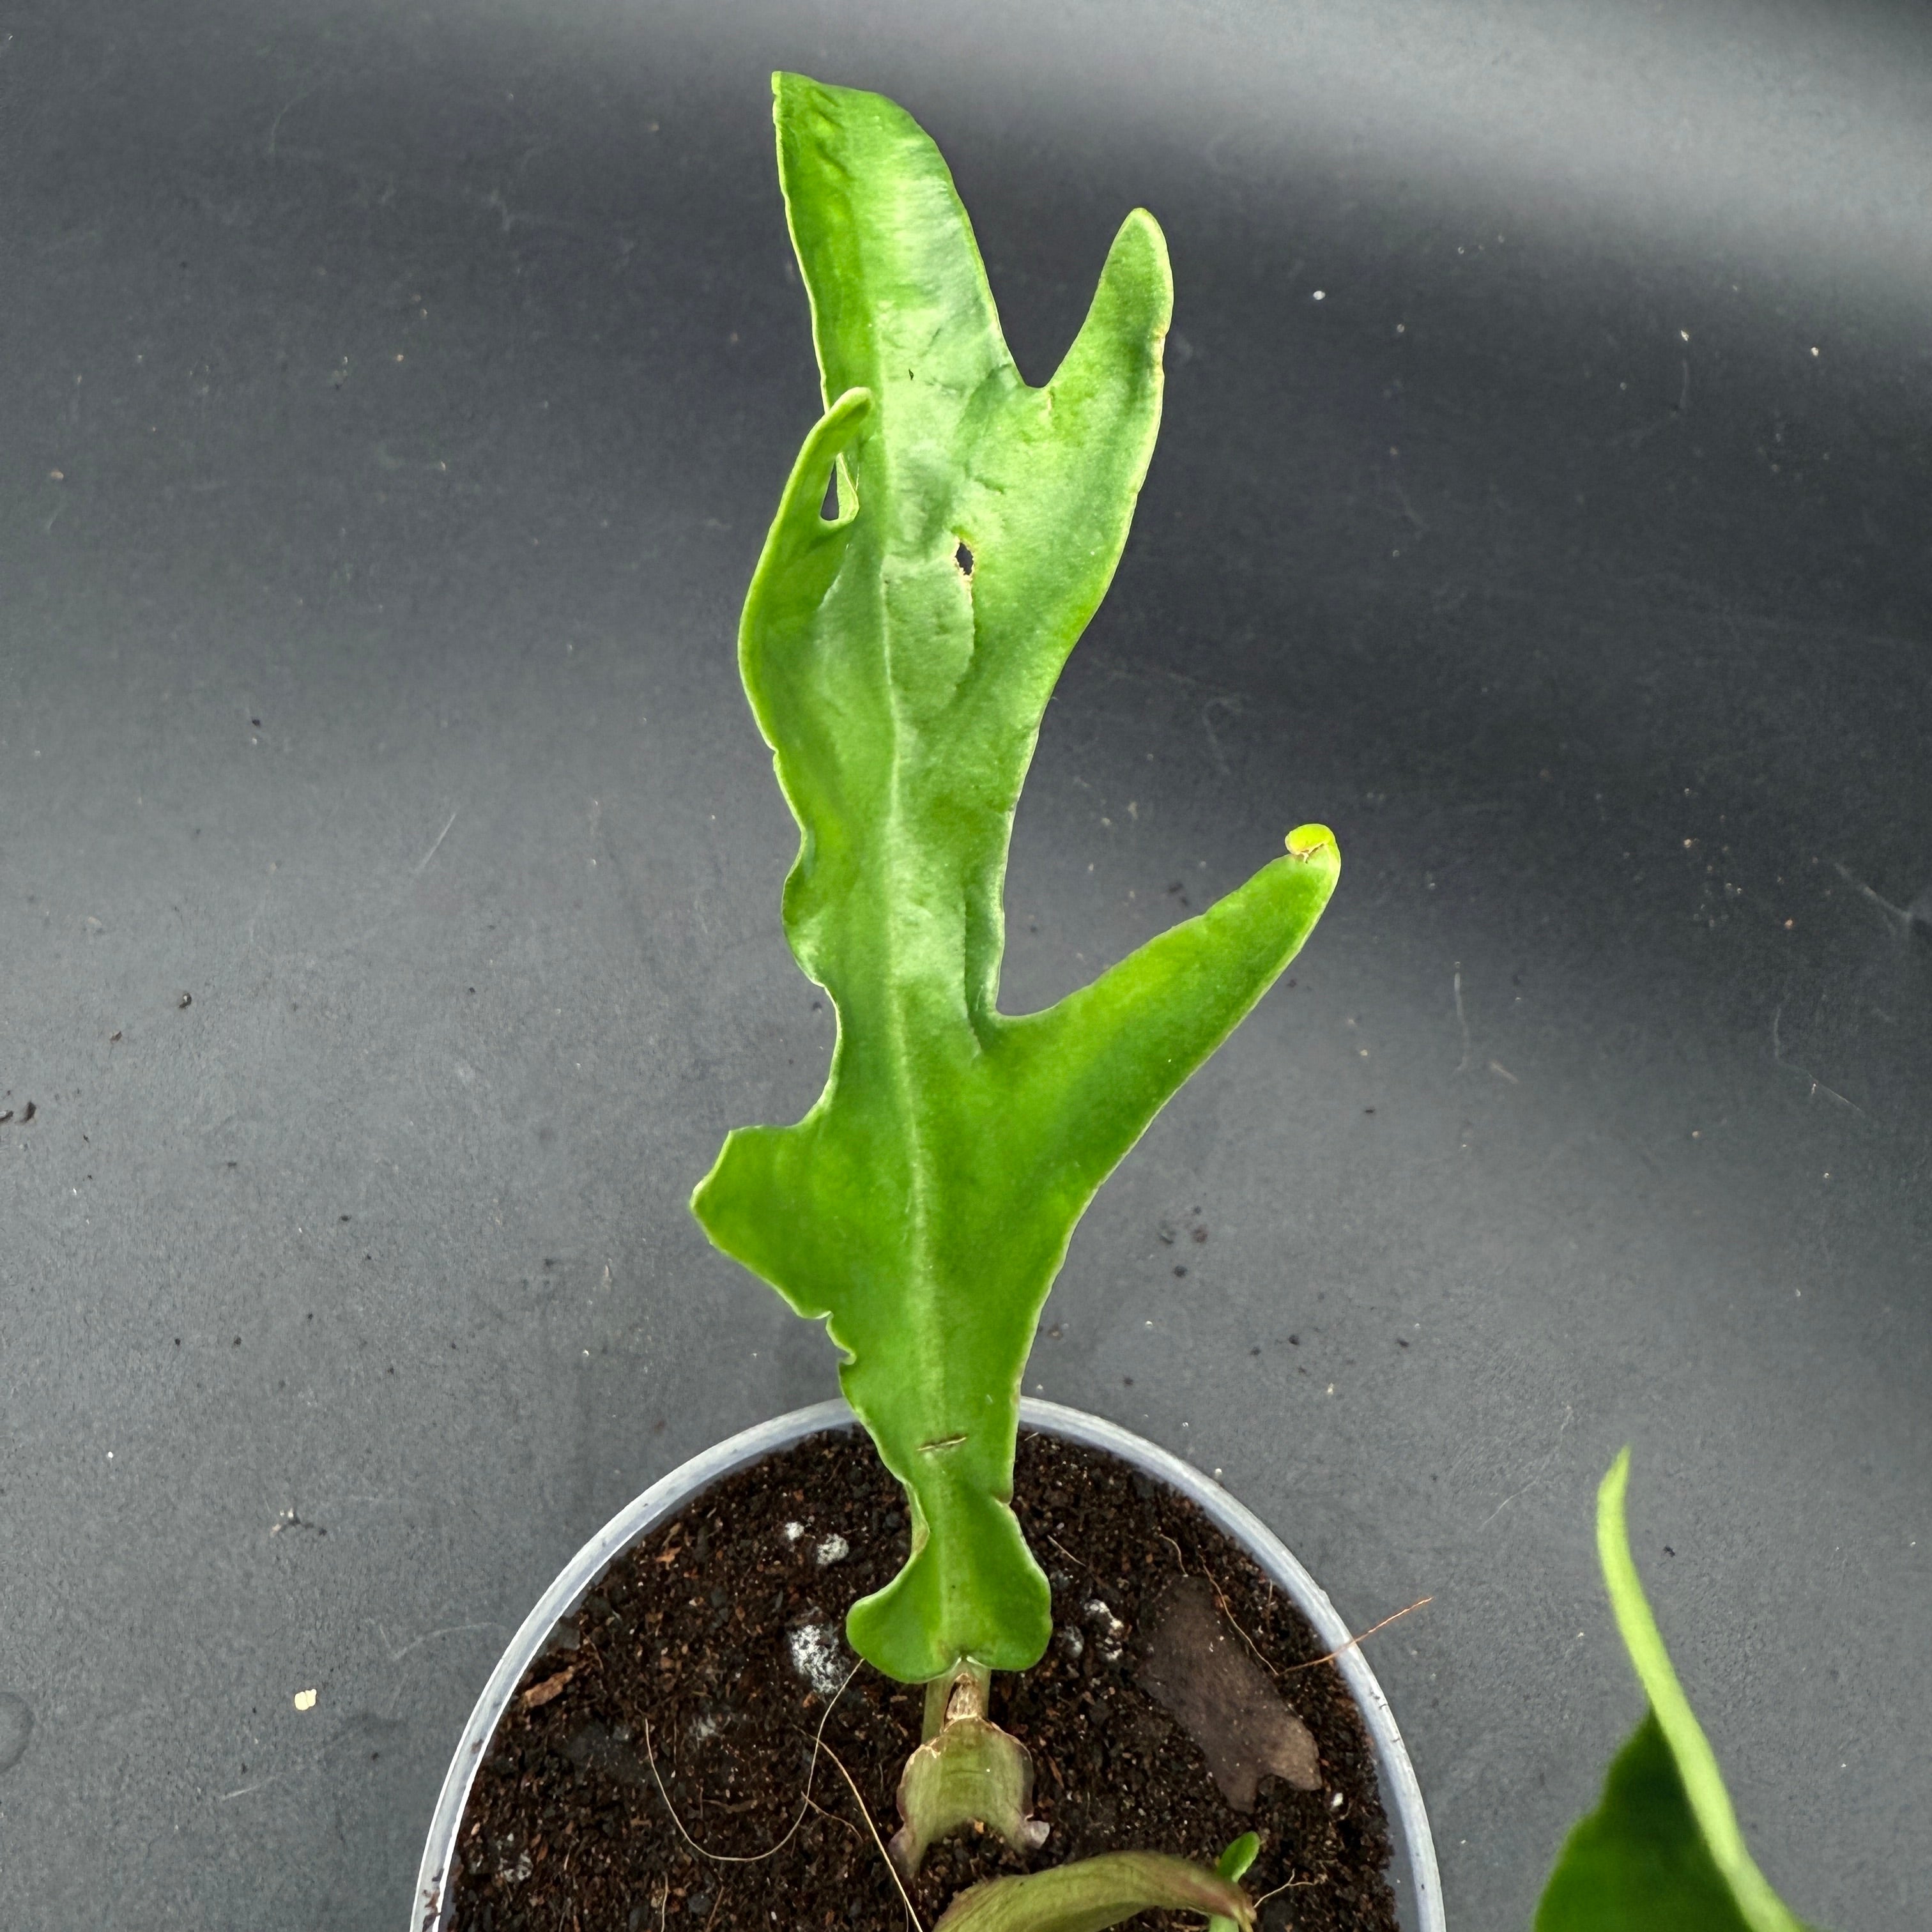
391 400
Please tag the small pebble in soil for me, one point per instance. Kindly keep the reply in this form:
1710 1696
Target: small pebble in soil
834 1550
1098 1612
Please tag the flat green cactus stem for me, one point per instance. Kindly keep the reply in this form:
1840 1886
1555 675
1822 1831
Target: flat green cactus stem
898 658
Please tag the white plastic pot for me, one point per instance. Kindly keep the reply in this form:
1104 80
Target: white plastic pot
1412 1872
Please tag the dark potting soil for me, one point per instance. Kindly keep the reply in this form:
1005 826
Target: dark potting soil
692 1662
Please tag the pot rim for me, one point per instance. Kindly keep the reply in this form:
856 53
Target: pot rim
1412 1874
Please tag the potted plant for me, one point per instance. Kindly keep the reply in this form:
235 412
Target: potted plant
1165 1716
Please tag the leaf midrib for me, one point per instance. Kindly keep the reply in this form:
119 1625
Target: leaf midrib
900 989
920 1288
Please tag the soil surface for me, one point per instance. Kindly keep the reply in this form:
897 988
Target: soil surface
692 1662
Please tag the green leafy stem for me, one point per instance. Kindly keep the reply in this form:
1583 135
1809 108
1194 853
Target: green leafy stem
1662 1851
898 656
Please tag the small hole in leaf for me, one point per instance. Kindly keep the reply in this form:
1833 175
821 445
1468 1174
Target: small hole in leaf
829 509
963 556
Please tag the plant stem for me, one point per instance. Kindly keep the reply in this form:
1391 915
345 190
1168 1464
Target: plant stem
964 1692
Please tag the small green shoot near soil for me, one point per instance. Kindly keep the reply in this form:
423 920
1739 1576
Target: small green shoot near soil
1232 1864
898 656
1662 1851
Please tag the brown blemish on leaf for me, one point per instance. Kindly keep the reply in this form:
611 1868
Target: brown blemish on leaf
1198 1669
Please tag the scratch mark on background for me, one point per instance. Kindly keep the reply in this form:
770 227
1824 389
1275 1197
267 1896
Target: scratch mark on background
1543 1469
448 1630
424 861
275 125
244 1792
1817 1086
1902 914
1232 706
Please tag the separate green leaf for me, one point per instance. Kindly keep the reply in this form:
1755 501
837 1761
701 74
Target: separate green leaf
1231 1864
1091 1894
1662 1851
898 658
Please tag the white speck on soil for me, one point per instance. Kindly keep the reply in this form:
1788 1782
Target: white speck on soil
793 1530
818 1656
834 1550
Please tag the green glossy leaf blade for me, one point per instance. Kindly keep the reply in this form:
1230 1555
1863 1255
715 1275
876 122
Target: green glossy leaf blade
1090 1895
1662 1851
898 659
1639 1861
